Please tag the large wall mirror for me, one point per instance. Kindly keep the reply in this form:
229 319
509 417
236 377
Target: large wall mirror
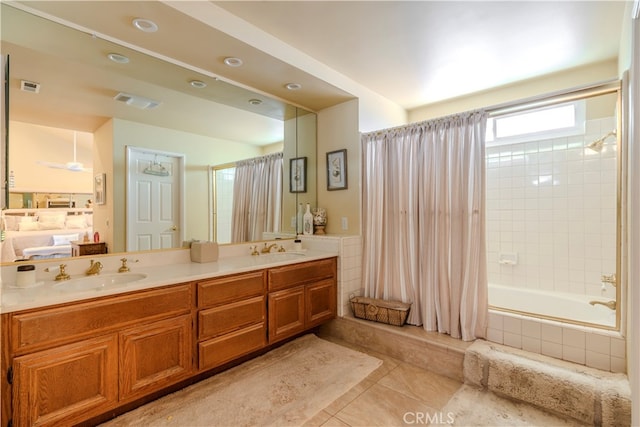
78 102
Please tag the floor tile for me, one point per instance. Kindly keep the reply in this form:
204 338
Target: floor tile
425 386
381 406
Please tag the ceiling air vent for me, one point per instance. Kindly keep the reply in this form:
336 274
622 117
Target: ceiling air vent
137 101
28 86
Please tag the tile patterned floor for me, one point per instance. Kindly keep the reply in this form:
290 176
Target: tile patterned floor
395 394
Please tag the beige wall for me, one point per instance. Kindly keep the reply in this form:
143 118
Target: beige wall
200 153
547 84
31 143
338 129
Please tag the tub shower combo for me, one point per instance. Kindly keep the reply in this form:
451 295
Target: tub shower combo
553 237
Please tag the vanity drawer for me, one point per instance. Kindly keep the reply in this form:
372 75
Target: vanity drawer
297 274
213 322
226 348
54 326
223 290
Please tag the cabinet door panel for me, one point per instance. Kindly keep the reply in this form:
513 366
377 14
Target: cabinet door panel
66 384
220 320
297 274
224 290
320 302
286 313
155 355
225 348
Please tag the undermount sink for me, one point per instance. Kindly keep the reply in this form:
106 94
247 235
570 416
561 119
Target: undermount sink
99 282
279 256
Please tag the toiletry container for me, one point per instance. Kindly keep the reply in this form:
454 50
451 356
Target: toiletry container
307 221
26 276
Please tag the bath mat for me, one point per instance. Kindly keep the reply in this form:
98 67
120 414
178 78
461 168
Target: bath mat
285 387
471 406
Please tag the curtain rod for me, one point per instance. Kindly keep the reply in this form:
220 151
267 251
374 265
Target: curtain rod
554 97
407 125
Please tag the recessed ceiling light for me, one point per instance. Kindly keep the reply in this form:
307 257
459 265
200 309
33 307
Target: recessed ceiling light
198 84
293 86
116 57
254 101
146 25
233 62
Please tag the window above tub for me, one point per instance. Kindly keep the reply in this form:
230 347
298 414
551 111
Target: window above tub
555 121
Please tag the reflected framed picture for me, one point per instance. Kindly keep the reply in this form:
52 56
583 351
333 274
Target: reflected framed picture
298 175
337 170
99 189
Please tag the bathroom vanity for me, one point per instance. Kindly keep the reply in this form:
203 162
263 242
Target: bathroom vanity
67 363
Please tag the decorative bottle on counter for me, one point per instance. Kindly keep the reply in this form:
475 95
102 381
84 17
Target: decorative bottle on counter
299 219
307 221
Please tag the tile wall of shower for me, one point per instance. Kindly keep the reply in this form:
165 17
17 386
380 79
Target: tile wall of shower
551 210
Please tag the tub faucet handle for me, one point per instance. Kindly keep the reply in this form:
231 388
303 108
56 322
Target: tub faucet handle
610 279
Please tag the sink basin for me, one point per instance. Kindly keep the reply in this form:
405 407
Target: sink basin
98 283
279 256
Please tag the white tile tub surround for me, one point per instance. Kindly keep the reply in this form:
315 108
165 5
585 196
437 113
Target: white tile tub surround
551 204
596 348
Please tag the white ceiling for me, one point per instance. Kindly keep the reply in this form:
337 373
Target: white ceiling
419 52
410 52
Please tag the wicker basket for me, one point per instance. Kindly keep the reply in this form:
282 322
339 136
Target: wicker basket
379 310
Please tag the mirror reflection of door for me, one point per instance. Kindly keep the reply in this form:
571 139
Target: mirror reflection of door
155 204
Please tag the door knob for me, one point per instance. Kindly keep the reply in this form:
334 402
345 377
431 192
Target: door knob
174 228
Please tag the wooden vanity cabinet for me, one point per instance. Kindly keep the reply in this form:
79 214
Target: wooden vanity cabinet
66 364
72 362
231 318
301 296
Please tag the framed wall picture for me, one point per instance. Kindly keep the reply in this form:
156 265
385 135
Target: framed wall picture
298 175
99 189
337 170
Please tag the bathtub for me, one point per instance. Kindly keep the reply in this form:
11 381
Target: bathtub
563 307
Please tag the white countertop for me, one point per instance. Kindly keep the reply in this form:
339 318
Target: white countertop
50 292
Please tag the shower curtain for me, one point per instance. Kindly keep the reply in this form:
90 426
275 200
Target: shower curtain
423 221
257 198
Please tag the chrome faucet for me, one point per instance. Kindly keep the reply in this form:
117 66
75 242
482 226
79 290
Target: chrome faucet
609 304
267 249
94 268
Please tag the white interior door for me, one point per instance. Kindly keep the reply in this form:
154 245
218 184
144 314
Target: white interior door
155 203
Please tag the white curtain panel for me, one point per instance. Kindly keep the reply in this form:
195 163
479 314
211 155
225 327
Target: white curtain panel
423 221
257 198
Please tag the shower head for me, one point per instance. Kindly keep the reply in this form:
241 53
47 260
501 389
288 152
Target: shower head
599 143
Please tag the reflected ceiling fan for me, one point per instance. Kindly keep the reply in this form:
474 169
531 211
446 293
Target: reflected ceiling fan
73 166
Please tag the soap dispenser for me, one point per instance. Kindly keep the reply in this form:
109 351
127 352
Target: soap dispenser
307 221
